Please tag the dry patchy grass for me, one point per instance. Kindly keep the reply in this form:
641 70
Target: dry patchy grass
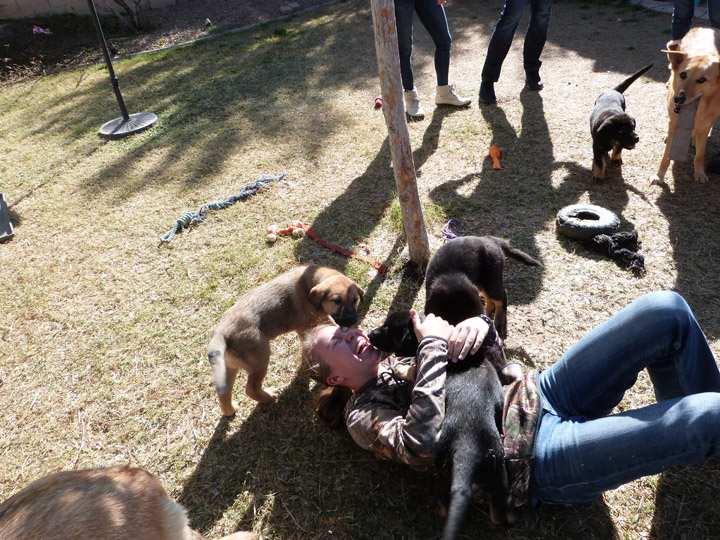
103 332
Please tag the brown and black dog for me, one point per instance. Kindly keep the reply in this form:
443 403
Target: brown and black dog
694 71
296 300
611 127
481 260
117 503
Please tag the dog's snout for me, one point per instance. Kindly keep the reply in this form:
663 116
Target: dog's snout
679 98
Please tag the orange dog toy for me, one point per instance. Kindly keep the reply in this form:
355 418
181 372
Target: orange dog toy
495 153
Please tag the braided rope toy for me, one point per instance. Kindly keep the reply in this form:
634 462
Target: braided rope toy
194 218
299 228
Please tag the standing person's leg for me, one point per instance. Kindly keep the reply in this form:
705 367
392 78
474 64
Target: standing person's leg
499 46
535 41
404 13
682 16
433 18
714 13
658 332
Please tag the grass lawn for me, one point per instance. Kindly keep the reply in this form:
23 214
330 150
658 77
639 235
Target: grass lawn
103 331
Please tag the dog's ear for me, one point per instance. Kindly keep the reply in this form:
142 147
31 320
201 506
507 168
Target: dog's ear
606 128
674 54
317 295
361 293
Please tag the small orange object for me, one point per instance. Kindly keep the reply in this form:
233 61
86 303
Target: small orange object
495 153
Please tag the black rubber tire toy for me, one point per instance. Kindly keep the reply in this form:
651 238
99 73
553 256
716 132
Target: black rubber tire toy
581 221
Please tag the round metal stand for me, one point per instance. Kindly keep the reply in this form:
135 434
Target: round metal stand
127 124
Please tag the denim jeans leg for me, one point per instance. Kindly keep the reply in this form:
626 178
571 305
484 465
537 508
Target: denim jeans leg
404 12
714 13
576 459
501 39
435 22
579 451
682 16
536 33
657 331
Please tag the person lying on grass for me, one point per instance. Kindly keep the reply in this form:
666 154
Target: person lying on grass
562 441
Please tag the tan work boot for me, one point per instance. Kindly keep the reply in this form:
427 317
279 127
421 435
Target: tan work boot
446 95
412 104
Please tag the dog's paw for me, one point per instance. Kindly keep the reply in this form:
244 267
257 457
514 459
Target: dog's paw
655 180
701 177
230 411
266 395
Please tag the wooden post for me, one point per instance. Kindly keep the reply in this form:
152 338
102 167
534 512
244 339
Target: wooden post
386 48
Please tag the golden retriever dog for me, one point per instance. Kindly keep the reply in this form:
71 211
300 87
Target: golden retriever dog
117 503
296 300
694 71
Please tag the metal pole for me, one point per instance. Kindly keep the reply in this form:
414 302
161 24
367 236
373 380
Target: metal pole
128 124
108 61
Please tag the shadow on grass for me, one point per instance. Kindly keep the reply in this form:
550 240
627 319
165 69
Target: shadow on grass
685 503
303 480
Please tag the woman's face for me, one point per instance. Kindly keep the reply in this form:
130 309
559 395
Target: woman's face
348 354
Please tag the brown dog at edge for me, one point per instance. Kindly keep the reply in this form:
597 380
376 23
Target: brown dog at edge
296 300
694 69
117 503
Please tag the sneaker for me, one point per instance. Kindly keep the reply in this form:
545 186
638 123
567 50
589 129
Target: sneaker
446 95
533 81
412 104
487 92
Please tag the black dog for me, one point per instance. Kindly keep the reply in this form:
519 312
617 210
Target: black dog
479 260
470 448
611 127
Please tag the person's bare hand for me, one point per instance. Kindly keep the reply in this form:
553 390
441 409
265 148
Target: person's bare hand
431 326
466 338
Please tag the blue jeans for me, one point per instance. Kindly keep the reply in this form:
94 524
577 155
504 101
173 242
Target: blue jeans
505 30
580 450
433 19
682 16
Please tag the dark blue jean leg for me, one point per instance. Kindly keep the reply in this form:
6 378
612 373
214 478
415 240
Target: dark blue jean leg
682 16
714 13
659 332
577 459
404 12
536 33
502 39
434 20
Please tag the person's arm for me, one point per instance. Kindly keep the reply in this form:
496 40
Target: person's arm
379 421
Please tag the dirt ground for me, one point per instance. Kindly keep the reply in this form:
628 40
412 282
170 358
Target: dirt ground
74 40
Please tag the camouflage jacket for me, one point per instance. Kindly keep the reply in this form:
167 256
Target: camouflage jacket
400 420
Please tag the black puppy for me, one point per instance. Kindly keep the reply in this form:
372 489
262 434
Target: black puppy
480 259
470 448
611 127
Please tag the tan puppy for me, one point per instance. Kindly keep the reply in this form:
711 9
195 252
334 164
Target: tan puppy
118 503
296 300
695 69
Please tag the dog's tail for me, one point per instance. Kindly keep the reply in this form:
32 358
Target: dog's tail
516 253
631 79
463 471
216 356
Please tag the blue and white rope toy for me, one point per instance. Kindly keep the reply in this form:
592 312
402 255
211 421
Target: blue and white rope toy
193 218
